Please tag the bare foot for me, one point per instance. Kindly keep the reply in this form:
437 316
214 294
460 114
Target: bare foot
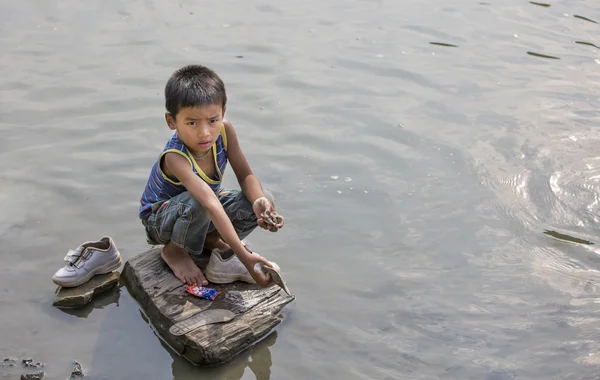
182 265
213 240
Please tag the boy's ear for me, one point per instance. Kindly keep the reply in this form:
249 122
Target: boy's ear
170 121
224 109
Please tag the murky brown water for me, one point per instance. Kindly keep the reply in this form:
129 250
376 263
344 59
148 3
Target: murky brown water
416 179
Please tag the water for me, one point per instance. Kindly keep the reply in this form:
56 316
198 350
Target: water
417 179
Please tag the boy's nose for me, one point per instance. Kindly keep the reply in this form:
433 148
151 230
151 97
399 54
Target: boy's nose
204 131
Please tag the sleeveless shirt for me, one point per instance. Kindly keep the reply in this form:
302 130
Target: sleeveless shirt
159 187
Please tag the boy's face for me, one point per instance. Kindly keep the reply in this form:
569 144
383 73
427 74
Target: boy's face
198 127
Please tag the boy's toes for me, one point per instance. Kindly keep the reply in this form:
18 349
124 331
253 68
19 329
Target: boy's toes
199 279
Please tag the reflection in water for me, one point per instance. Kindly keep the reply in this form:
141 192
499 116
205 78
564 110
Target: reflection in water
98 302
442 44
541 55
257 359
540 4
587 43
584 18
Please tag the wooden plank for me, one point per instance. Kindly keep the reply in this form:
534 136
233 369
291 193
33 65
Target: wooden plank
165 302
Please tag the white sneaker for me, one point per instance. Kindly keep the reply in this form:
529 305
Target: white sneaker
224 267
86 261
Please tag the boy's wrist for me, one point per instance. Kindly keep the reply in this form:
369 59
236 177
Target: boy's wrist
241 252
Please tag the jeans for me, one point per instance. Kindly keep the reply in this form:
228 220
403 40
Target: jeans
184 222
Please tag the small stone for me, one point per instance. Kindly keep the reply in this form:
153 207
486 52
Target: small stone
273 219
80 295
8 362
77 371
29 363
33 376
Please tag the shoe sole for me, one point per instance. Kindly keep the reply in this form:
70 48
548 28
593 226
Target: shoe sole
111 266
227 278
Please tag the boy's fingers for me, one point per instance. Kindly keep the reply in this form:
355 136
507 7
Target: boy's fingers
262 280
262 224
282 221
266 280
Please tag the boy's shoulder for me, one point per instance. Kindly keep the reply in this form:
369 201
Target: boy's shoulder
228 125
230 134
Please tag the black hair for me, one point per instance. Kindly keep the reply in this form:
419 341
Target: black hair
193 85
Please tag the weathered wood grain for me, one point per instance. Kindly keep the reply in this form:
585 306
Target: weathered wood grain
165 302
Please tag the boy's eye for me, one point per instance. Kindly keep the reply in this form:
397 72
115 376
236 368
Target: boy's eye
192 123
212 121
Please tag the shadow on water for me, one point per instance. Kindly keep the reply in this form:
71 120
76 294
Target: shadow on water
542 55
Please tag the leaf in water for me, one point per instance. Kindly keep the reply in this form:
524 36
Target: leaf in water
540 4
541 55
572 239
587 43
442 44
585 18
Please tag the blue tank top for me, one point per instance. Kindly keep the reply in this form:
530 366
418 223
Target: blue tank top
160 188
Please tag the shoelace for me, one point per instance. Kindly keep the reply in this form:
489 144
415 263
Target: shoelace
73 257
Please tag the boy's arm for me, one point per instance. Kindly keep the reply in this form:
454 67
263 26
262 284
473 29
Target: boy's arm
180 167
250 185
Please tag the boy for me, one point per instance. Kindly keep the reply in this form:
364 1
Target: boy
183 205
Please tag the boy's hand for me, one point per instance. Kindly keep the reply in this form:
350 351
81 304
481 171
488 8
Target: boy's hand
268 218
250 261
